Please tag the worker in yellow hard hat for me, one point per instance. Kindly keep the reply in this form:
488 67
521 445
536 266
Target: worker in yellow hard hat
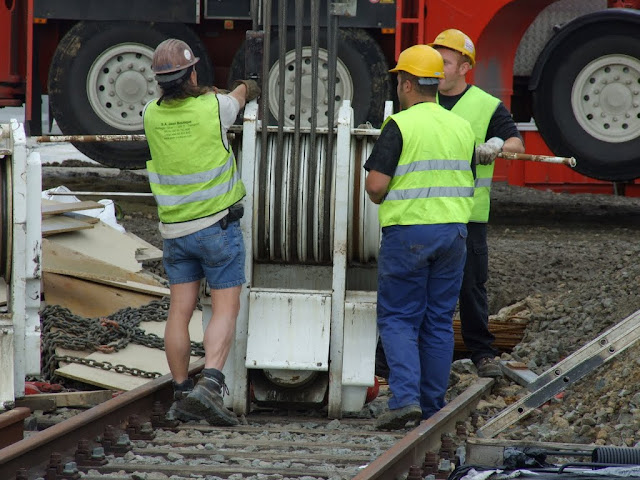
494 131
420 172
197 187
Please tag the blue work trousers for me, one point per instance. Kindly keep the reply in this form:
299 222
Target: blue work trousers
419 276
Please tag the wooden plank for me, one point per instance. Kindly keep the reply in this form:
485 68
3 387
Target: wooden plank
61 224
104 243
144 358
133 356
68 399
89 299
146 251
51 207
44 404
82 217
56 258
132 286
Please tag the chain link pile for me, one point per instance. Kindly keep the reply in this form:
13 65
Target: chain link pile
61 328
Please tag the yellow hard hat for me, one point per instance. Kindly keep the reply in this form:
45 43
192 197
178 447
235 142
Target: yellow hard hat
458 41
421 61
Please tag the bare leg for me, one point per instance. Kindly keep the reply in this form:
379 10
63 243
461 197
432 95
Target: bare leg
177 342
225 305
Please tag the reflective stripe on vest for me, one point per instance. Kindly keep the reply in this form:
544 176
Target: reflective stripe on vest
179 132
433 182
477 107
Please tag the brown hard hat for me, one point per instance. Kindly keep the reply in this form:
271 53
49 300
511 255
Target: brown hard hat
171 56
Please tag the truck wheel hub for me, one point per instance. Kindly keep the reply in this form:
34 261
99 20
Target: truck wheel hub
606 98
119 85
344 88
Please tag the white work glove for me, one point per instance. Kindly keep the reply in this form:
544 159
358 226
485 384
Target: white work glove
487 152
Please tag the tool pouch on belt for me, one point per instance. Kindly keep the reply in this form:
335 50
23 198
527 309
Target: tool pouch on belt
236 212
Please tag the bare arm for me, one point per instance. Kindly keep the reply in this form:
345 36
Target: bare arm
240 94
376 186
513 145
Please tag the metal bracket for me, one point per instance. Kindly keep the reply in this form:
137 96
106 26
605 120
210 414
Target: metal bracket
568 371
346 8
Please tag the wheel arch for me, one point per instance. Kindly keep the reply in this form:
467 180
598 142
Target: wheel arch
612 16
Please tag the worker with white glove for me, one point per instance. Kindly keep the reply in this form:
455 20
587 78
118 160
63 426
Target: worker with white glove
495 131
487 152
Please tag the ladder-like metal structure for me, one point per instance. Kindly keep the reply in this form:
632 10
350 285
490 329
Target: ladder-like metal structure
565 373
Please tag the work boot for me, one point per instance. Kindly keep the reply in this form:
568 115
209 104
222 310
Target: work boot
206 401
176 410
398 418
489 367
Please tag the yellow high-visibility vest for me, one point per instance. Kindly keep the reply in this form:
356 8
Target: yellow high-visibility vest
191 172
433 182
477 107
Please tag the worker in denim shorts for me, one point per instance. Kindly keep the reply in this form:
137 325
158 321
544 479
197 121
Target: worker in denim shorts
197 187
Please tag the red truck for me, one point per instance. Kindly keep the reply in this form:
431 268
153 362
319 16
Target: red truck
573 66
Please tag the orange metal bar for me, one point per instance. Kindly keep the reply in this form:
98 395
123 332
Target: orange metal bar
410 24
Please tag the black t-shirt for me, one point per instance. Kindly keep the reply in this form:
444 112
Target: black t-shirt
501 124
387 150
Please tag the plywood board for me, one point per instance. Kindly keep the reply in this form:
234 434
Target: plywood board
133 356
104 243
135 287
89 299
57 258
51 207
146 251
82 217
195 327
61 224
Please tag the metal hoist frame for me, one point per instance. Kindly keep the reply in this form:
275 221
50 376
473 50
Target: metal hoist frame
341 322
300 199
20 324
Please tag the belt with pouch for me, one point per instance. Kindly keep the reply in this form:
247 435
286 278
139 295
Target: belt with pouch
236 212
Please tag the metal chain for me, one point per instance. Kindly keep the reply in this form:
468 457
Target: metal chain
61 328
89 362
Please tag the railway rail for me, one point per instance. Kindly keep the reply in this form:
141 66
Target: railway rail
127 438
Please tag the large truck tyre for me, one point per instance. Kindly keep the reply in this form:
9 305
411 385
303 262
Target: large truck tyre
362 77
100 80
587 100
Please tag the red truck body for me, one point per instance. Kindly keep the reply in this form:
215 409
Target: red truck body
33 32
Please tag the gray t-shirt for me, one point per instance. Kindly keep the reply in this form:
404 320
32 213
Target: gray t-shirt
228 111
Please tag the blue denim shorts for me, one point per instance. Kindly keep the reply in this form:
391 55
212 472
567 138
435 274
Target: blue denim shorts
211 253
